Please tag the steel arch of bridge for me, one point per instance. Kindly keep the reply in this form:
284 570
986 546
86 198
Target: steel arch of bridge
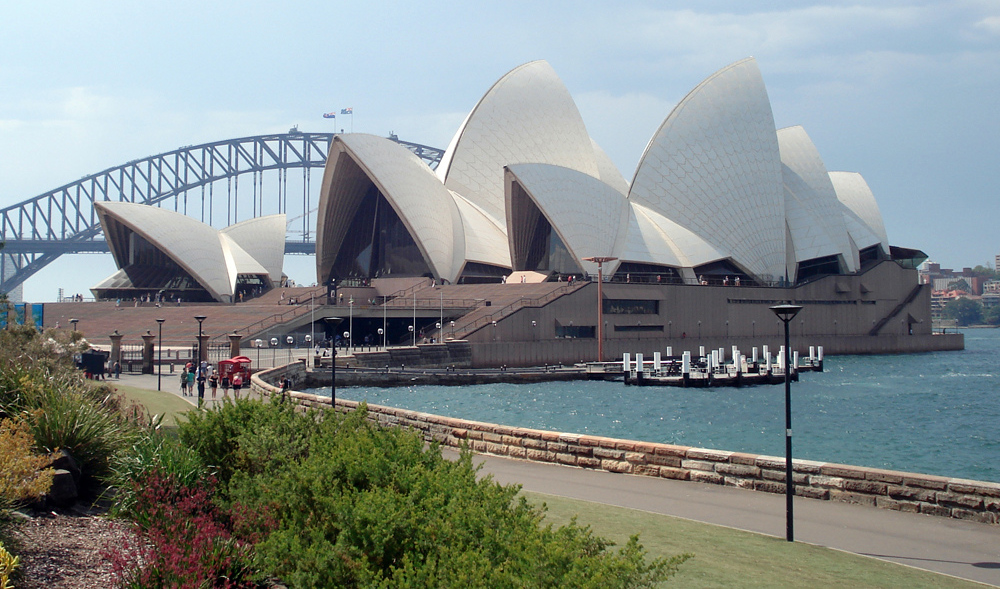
63 221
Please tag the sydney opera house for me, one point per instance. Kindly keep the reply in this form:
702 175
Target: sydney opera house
168 256
719 192
724 216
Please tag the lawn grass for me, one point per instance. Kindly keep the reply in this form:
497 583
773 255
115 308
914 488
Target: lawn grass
724 557
169 405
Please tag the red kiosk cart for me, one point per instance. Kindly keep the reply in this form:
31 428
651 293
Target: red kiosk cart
239 364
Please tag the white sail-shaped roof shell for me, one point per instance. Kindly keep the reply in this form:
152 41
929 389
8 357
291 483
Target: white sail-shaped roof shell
857 198
651 238
422 203
210 258
263 238
585 212
812 211
609 173
714 168
485 241
528 116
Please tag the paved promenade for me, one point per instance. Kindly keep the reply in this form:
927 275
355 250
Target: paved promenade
954 547
964 549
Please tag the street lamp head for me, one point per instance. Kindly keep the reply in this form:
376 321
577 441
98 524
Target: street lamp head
308 338
200 318
289 340
160 321
380 331
258 342
786 312
274 341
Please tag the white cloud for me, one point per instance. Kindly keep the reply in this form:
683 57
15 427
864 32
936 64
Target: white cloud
990 24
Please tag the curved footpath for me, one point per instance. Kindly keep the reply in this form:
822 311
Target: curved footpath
964 549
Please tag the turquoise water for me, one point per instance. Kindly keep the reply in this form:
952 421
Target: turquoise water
934 413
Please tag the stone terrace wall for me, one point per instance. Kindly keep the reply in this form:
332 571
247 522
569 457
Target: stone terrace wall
902 491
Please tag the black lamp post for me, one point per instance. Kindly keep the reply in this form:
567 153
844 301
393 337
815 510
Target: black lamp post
786 313
74 321
159 353
201 354
333 363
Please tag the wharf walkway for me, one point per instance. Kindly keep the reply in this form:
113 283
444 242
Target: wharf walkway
959 548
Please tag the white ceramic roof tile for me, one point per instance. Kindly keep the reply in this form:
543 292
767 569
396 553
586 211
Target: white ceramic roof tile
654 239
811 206
853 191
485 242
528 116
585 212
263 238
423 204
243 262
609 173
193 245
713 167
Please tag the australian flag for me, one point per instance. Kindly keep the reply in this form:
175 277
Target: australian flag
347 111
329 115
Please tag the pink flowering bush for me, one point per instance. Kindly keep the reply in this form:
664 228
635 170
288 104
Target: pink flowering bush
187 540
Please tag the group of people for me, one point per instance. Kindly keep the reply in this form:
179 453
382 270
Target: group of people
204 374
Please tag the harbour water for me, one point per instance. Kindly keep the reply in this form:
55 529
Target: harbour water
934 413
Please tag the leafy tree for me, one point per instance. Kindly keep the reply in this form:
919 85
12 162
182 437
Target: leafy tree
992 315
964 311
960 284
985 272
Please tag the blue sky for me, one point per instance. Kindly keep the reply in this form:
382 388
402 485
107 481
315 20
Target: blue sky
906 93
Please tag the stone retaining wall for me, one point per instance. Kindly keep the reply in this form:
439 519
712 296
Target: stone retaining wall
902 491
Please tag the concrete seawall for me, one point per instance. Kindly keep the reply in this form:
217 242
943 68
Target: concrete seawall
887 489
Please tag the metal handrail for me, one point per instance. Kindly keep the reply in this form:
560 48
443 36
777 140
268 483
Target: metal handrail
300 308
511 308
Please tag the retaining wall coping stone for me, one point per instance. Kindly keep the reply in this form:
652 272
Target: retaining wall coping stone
707 454
884 476
671 450
925 481
743 458
977 487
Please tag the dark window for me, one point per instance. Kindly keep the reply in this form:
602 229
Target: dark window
576 331
639 327
631 307
824 266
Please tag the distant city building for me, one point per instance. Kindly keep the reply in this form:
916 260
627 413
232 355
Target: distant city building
947 279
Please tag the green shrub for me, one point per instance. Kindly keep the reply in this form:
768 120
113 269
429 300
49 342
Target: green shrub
248 437
88 431
38 377
359 505
151 452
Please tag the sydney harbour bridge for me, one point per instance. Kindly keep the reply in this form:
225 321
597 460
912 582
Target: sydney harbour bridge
202 181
